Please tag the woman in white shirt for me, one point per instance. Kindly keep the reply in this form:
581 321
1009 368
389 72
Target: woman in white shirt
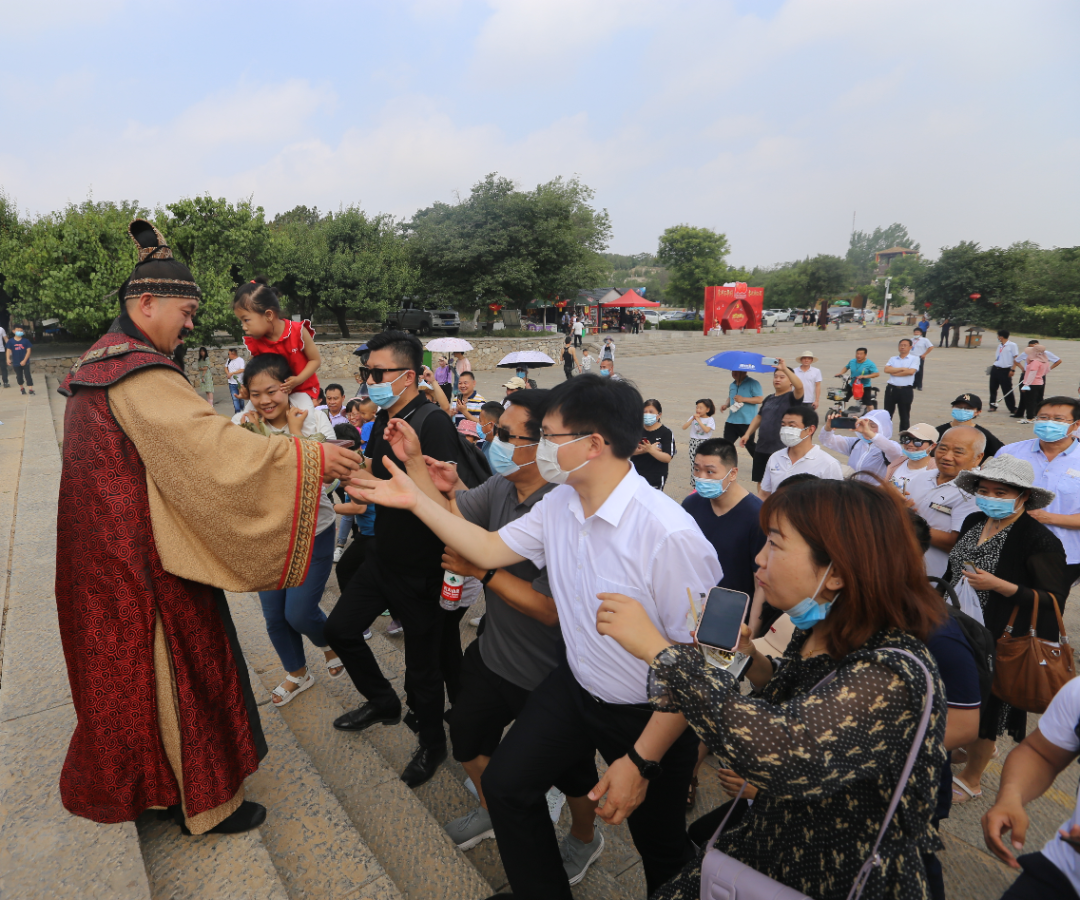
701 425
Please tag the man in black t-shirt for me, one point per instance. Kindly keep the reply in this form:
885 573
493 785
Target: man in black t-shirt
965 409
405 572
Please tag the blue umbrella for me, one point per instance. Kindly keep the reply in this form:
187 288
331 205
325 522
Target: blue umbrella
739 361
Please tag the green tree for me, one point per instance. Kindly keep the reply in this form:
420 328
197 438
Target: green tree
825 276
904 273
695 258
784 285
948 284
69 264
503 244
302 256
223 244
864 245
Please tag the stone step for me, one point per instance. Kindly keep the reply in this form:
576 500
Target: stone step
45 852
407 841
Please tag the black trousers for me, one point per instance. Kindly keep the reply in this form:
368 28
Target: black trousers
450 656
944 342
1040 880
899 397
413 597
1000 378
568 371
577 340
3 366
734 431
20 371
354 557
919 375
560 728
1030 400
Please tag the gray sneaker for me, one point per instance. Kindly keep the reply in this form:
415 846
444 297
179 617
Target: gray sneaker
577 857
471 829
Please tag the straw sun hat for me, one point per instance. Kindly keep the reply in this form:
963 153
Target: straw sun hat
1009 470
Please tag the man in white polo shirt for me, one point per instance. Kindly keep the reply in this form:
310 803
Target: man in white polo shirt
922 348
602 532
899 392
800 454
934 495
1054 456
1001 372
810 376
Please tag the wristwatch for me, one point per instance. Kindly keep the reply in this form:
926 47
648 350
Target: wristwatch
648 769
487 577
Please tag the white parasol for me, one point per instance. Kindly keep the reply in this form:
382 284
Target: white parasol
532 359
449 345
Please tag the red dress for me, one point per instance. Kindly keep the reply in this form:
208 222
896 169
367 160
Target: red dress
291 346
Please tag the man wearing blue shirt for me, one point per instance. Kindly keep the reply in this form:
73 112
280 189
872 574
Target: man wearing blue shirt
747 391
1056 461
862 370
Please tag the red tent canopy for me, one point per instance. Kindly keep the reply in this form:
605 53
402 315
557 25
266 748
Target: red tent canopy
630 299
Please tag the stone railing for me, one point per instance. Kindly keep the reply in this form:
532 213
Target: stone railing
338 361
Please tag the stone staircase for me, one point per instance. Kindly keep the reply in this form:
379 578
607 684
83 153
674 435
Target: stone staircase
340 822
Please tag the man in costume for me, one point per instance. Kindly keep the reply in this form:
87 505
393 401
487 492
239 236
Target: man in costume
166 716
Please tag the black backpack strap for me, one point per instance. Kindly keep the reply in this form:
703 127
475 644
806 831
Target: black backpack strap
945 588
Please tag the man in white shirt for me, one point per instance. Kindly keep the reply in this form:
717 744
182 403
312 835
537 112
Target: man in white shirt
602 532
934 495
901 370
922 348
1030 770
811 379
1054 456
1002 371
235 367
579 331
335 399
797 429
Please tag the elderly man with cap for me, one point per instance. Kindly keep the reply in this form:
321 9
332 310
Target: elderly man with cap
866 452
166 715
965 410
810 377
916 454
515 384
934 494
1055 460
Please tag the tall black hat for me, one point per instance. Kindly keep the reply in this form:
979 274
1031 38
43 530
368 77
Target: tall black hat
156 272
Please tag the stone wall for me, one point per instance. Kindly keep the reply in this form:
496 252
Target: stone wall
338 359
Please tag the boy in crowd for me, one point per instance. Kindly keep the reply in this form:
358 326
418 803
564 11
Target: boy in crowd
602 532
18 353
490 414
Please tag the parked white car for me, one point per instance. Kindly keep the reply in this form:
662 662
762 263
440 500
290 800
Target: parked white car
769 318
652 317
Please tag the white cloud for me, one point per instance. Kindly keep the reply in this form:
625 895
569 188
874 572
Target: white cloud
23 18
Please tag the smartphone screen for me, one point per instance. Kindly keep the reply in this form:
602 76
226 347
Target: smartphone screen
969 567
844 422
722 619
769 360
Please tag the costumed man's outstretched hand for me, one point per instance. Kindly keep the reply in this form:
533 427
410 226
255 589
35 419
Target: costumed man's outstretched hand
399 491
338 463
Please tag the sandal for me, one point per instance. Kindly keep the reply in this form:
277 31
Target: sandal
302 684
335 663
968 793
691 797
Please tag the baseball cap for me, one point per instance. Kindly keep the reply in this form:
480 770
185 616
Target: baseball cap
922 431
516 383
972 400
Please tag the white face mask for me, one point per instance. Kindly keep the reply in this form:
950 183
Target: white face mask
791 436
547 460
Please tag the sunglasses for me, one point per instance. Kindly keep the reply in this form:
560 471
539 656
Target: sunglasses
504 435
908 439
376 375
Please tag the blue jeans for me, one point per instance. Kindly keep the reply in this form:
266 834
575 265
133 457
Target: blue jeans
344 526
295 612
234 392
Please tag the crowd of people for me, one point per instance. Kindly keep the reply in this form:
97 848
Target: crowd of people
836 746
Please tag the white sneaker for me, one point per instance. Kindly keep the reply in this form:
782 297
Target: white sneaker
337 553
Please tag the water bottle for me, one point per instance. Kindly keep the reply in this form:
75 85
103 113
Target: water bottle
451 591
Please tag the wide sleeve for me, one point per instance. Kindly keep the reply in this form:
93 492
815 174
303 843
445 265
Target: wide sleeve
891 449
830 440
229 508
814 745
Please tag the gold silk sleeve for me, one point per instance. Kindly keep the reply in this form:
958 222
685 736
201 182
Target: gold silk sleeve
229 508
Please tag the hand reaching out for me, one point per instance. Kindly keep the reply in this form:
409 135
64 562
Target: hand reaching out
399 491
443 475
403 440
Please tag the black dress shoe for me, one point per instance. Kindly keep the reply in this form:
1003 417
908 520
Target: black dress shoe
248 815
366 716
423 765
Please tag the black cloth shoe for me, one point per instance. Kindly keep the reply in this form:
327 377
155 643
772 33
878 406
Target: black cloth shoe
248 815
423 765
366 716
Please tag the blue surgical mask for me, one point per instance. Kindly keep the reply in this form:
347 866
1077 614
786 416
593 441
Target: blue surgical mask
18 334
807 613
382 395
915 454
605 373
650 418
709 488
963 415
994 507
501 457
1051 431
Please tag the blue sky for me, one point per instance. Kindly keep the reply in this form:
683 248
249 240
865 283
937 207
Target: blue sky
771 122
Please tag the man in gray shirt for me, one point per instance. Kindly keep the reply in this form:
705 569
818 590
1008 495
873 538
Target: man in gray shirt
519 641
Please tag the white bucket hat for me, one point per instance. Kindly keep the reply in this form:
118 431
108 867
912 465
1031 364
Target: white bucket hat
1009 470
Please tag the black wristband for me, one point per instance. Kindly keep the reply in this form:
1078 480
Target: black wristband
487 577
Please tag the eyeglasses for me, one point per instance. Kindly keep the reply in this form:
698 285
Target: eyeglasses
548 437
376 375
1064 419
908 439
504 435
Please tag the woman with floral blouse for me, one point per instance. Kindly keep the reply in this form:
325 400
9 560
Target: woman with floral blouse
842 560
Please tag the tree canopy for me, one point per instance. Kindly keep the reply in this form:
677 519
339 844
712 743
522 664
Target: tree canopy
695 258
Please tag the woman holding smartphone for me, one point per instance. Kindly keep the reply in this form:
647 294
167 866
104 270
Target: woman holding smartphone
825 756
1004 560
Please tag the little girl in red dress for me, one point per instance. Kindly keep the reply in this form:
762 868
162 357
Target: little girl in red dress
266 330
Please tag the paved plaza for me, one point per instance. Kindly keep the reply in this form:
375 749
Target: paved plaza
341 824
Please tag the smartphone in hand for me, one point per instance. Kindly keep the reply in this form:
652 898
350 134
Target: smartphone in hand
722 619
